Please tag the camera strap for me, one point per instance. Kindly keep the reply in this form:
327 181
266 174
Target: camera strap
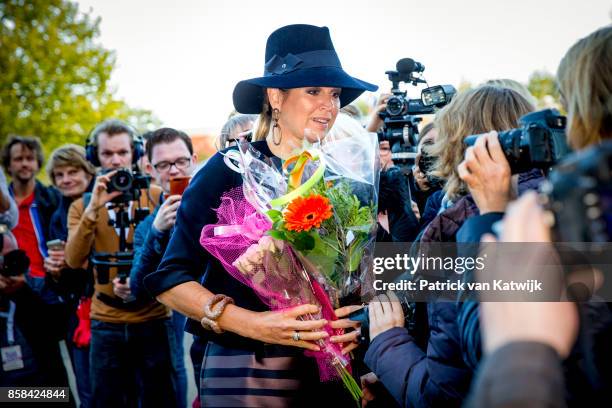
10 322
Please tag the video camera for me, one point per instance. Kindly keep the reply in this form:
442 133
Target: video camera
540 142
400 126
578 195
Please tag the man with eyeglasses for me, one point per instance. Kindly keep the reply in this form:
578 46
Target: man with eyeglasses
170 154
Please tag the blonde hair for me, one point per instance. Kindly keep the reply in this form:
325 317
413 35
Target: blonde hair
471 112
585 82
69 155
233 125
264 122
515 86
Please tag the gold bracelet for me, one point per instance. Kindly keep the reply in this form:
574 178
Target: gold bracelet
212 310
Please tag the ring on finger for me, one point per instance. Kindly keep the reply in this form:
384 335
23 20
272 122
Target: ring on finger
296 336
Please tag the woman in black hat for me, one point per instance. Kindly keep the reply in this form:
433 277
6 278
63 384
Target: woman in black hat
253 356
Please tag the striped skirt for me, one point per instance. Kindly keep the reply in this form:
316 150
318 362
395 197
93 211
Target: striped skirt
240 378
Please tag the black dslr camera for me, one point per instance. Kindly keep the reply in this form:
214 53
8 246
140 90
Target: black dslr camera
539 142
409 308
400 127
129 183
578 194
15 262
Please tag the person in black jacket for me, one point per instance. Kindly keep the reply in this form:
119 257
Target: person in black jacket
170 156
304 87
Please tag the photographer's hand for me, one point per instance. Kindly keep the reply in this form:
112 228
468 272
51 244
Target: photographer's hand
11 284
375 121
487 174
385 313
122 290
348 339
551 323
166 216
367 381
99 195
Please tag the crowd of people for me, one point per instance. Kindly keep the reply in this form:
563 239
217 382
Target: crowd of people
109 260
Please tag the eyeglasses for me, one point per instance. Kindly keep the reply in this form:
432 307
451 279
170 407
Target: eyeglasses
181 164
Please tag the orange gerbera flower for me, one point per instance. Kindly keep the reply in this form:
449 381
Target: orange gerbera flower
304 213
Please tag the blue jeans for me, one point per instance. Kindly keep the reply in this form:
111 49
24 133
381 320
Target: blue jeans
132 365
80 365
178 320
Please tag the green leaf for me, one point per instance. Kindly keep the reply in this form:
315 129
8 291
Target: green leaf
278 235
275 215
303 242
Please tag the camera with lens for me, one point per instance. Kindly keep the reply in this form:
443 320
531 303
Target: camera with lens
539 143
400 120
129 183
15 262
415 319
578 195
426 164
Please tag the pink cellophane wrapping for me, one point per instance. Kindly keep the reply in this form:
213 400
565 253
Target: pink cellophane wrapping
279 279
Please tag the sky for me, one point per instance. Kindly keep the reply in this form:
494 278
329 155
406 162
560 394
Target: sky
182 59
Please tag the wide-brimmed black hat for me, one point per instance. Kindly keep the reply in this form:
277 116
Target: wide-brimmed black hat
297 56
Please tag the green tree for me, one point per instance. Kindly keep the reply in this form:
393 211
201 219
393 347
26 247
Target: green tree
54 80
543 87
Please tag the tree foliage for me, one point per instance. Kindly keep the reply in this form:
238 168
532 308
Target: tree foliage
543 86
55 75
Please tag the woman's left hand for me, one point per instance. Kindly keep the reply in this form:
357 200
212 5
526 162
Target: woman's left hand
385 313
348 340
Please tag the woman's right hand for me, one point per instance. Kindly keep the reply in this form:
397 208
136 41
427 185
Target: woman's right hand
375 121
278 327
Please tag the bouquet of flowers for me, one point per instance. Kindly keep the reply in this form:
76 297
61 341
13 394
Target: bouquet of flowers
302 233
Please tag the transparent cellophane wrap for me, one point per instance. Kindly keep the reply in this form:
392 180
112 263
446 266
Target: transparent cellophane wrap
338 267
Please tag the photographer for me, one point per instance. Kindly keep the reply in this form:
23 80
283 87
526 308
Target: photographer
439 375
422 184
238 128
529 355
171 162
397 214
28 326
130 344
472 112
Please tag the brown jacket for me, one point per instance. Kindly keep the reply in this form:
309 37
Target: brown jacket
85 235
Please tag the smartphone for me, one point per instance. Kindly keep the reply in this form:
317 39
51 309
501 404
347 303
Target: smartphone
56 244
179 184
